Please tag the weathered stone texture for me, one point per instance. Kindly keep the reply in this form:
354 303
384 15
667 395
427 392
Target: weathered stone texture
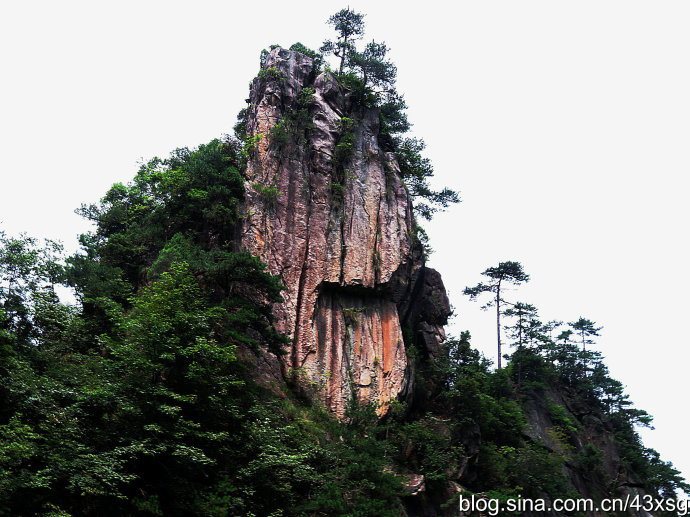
344 252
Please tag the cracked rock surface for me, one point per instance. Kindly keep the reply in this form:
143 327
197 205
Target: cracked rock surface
340 237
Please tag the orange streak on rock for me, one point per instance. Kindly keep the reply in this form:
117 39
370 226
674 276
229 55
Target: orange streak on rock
352 252
358 338
390 341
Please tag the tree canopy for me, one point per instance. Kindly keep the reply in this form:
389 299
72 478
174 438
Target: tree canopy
350 27
506 273
140 400
370 73
586 329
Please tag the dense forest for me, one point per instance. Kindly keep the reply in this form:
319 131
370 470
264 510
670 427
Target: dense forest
140 399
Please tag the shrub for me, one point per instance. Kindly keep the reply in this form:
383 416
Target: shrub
268 193
271 74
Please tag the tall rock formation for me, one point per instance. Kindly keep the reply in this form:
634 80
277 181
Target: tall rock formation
329 214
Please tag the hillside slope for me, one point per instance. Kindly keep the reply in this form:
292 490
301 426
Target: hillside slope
257 334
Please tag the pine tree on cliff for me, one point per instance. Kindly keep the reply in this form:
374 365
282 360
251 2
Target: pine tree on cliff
587 329
372 75
525 313
350 27
501 275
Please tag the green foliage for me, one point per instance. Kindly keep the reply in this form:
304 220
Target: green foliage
151 411
662 477
508 464
362 97
318 58
419 239
342 155
530 471
344 146
529 371
416 172
506 273
28 273
350 27
351 315
586 329
373 66
139 401
559 416
511 464
543 362
369 77
240 128
250 143
337 192
135 404
428 446
271 73
139 404
269 193
393 120
296 121
590 460
525 314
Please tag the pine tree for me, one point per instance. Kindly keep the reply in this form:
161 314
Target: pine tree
350 27
506 273
586 329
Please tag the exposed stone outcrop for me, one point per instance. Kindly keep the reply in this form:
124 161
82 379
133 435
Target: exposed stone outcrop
547 429
339 231
614 481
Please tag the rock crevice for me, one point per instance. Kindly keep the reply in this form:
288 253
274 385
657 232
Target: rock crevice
339 233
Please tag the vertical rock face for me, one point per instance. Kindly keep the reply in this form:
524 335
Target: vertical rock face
328 213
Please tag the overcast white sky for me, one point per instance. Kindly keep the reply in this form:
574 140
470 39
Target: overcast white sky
565 125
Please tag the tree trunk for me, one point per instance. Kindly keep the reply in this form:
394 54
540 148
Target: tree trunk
498 321
342 58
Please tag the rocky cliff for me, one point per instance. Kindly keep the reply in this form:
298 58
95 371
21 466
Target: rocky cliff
610 478
576 434
328 213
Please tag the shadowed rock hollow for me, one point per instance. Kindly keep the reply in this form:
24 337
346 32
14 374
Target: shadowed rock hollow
328 213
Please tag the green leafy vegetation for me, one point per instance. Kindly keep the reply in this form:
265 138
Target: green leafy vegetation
318 58
548 360
296 121
369 76
271 74
140 399
506 273
138 403
269 193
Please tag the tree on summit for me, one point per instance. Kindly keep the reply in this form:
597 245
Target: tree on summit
371 64
376 70
503 274
350 27
371 76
